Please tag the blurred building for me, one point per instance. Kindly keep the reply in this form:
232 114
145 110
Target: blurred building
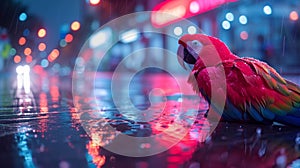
266 30
263 29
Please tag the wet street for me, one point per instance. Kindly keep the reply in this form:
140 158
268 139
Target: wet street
43 124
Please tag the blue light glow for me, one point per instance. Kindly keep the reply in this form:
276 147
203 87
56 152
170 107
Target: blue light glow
23 17
226 25
44 63
229 16
177 31
267 10
243 19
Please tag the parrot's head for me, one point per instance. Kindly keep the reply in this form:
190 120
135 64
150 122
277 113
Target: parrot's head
202 49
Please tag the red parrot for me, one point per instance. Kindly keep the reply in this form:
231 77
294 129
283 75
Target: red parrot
255 92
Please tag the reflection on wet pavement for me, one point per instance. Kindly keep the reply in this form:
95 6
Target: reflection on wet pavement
40 127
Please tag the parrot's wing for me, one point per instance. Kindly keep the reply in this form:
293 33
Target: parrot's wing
254 91
284 95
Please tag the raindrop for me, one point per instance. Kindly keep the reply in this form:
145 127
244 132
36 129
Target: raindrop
112 159
64 164
297 139
258 131
194 165
208 139
281 159
262 149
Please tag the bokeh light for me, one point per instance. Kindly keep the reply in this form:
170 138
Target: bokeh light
28 59
42 46
177 31
53 55
62 43
44 63
294 16
12 51
229 16
69 38
226 25
42 32
243 19
244 35
22 41
267 10
27 51
23 17
95 2
75 26
17 59
26 32
194 7
192 30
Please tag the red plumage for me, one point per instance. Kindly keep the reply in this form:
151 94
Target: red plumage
254 90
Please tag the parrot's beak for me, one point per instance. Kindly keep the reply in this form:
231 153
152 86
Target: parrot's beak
180 56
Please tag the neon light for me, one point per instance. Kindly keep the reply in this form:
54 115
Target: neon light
171 11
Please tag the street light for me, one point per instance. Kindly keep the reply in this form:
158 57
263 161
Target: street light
75 26
42 32
95 2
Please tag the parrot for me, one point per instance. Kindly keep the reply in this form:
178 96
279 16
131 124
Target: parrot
254 92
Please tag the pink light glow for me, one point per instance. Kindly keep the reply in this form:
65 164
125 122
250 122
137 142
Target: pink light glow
171 11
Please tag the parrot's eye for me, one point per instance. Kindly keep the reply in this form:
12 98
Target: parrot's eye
195 46
196 43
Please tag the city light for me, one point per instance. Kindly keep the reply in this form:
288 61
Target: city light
62 43
23 17
100 38
42 47
42 32
95 2
192 30
170 11
226 25
294 16
22 41
243 19
26 32
69 38
27 51
17 59
229 16
23 78
267 10
194 7
44 63
75 26
244 35
12 51
129 36
168 16
177 31
26 78
53 55
19 69
28 58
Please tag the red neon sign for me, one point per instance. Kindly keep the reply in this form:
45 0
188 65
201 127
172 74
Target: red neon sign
171 11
